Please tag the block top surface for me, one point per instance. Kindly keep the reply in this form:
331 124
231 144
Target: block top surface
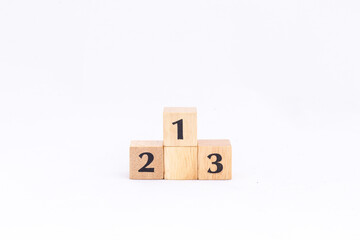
180 110
146 143
214 142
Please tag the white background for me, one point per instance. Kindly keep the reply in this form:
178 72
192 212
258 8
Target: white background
80 79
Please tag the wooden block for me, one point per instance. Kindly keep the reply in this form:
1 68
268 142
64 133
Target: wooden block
180 163
180 126
214 159
146 160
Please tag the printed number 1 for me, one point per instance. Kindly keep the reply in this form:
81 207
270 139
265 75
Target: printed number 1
179 129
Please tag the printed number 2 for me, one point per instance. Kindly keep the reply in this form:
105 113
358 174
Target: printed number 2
219 166
179 129
150 159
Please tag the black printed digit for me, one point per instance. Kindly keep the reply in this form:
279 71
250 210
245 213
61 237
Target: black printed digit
219 166
179 129
149 160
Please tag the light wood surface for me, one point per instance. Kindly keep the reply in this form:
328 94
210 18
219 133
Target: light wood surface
180 163
143 149
212 149
189 126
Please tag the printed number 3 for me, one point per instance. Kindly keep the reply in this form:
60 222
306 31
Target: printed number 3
150 159
179 129
219 166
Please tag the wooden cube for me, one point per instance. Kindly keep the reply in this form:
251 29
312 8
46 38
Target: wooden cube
146 160
180 163
180 126
214 159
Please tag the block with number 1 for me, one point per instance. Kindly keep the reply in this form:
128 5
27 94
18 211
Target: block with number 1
180 126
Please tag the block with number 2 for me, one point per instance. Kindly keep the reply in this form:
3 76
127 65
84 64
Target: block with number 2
146 160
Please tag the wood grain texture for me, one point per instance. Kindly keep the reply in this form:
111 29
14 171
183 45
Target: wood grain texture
189 116
136 162
208 147
180 163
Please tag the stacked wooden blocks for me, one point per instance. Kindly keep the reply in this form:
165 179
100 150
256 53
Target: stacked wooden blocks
180 156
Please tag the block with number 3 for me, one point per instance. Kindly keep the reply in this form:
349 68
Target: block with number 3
214 159
146 160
